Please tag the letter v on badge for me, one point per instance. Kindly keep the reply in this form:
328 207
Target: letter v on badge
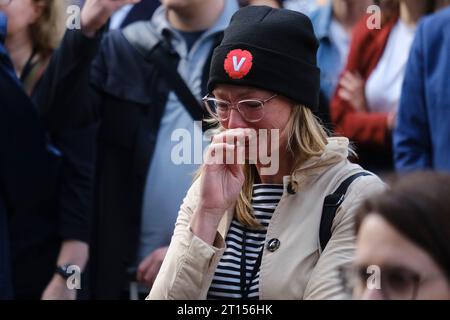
238 63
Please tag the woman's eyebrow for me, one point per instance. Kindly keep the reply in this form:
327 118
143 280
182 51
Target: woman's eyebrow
242 93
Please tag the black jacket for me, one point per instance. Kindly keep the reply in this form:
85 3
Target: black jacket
28 172
6 291
130 95
37 227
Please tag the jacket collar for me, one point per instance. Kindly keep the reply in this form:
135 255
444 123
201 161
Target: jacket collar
336 150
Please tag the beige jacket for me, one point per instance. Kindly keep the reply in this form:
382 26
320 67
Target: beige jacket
298 269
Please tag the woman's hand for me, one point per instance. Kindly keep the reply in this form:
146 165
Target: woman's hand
96 13
221 180
222 176
353 90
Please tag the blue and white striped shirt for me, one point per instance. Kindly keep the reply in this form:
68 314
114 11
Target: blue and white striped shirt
226 283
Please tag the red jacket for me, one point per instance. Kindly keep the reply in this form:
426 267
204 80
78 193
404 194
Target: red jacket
364 128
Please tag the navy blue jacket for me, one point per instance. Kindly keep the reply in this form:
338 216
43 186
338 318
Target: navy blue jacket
46 171
6 291
422 136
28 171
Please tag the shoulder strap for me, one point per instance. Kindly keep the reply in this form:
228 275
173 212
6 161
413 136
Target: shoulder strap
145 40
330 206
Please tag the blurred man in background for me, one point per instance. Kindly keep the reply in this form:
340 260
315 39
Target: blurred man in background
138 187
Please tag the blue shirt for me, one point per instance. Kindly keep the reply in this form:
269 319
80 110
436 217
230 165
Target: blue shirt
304 6
167 182
329 58
119 17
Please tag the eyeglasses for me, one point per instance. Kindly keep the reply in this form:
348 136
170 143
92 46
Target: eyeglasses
395 283
252 110
4 3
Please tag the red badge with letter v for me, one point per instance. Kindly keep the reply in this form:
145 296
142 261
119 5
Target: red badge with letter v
238 63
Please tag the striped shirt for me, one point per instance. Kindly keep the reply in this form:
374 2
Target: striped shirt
226 283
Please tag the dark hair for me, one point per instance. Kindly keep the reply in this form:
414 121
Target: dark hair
391 8
418 206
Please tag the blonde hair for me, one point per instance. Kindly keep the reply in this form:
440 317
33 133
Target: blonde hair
306 138
46 32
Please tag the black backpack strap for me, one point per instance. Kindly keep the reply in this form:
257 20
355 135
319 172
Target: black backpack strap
144 38
330 206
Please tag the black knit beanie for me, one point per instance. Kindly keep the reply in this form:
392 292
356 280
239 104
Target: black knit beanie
271 49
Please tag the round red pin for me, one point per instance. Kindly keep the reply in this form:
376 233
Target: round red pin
238 63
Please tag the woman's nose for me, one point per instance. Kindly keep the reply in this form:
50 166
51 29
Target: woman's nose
235 120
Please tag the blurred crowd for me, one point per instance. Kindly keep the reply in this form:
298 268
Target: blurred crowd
87 116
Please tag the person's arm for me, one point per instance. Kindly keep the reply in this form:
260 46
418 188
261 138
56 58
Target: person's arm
325 282
72 252
360 126
412 142
197 246
149 267
96 13
65 96
354 123
76 180
77 147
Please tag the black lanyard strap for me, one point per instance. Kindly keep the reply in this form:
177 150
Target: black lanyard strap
245 288
28 66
